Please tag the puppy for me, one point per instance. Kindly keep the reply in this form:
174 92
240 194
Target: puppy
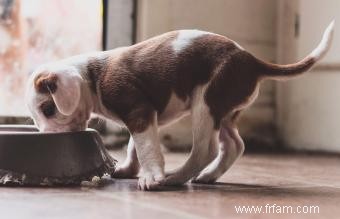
154 83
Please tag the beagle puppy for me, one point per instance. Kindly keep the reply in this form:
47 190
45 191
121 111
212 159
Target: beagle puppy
154 83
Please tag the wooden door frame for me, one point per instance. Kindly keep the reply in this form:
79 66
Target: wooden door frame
119 23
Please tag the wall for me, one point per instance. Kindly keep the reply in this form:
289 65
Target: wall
251 23
39 31
309 107
120 23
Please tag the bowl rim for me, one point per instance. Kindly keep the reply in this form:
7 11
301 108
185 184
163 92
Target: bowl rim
30 131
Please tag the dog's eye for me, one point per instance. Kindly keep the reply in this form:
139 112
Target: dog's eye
48 109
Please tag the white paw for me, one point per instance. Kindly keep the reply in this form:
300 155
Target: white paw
208 176
170 172
148 181
174 180
126 172
204 179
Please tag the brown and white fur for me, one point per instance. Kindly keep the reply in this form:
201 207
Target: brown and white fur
153 83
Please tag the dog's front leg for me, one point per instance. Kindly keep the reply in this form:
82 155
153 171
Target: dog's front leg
149 156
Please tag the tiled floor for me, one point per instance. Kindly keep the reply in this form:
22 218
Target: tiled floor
280 180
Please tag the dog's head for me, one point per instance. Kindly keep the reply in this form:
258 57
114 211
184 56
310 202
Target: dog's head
56 100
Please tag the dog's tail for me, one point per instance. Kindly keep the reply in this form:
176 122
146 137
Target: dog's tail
277 72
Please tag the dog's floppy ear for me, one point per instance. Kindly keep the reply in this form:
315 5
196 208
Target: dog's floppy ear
65 89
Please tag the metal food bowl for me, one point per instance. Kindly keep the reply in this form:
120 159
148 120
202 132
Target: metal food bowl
29 157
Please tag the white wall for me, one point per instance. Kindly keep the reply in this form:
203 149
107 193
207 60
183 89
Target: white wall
309 106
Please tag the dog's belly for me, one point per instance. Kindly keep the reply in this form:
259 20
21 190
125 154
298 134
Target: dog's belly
175 110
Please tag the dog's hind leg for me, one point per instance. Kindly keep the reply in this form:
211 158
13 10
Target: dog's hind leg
231 147
212 153
203 129
130 167
213 146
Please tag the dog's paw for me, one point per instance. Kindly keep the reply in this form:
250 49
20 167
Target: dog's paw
173 180
150 181
125 172
204 178
170 172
